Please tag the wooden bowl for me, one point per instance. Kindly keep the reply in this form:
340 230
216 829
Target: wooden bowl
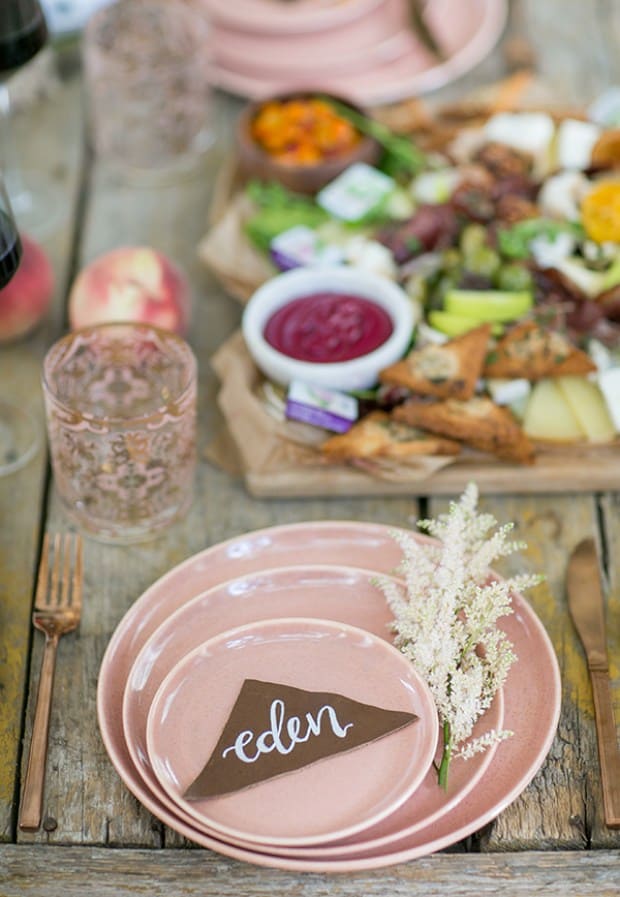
255 162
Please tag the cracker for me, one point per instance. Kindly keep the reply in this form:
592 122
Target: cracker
478 422
449 370
533 352
379 435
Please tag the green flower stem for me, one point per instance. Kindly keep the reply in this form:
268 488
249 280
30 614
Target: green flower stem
445 757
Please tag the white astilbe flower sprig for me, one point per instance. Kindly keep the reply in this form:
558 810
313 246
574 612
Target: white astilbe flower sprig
477 745
445 618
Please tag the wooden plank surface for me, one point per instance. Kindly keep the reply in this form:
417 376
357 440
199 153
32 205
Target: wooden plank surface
96 808
74 872
22 493
85 801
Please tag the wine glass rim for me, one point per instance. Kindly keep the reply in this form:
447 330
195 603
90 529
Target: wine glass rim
34 441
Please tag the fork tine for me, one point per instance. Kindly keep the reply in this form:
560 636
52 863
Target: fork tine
78 578
41 592
65 595
52 595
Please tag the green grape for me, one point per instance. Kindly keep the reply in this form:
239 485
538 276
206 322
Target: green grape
451 259
472 238
514 277
483 260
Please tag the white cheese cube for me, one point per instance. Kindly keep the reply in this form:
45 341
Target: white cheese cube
436 186
507 392
575 141
529 132
370 255
561 194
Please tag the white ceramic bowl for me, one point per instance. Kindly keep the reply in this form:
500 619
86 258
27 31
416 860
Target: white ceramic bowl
359 373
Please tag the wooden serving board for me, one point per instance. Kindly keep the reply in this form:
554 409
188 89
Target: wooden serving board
560 473
558 469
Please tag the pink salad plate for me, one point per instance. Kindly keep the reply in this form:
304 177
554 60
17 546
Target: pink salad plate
344 594
397 64
531 694
335 797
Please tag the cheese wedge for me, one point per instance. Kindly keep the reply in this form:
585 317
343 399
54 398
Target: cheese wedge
589 407
549 417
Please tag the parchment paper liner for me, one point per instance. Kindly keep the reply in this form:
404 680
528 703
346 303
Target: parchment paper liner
264 444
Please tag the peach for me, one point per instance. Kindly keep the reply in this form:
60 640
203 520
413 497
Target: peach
132 283
25 300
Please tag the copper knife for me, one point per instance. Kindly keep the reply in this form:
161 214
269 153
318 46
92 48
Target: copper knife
586 606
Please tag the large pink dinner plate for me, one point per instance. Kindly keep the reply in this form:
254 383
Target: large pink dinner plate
334 797
344 594
531 695
467 30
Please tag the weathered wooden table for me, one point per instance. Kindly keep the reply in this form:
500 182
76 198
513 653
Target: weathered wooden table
96 838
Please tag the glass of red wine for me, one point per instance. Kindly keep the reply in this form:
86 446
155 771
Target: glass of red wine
23 33
19 432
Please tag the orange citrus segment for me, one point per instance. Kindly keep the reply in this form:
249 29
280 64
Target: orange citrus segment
600 212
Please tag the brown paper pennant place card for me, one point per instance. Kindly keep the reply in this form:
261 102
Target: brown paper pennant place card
275 729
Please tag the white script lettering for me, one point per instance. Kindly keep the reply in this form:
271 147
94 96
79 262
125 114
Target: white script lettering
271 739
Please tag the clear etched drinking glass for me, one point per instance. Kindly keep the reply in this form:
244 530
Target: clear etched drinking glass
149 98
120 405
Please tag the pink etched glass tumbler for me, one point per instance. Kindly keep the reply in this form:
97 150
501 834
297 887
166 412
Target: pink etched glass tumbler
120 403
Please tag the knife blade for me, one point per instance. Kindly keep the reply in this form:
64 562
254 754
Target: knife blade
587 609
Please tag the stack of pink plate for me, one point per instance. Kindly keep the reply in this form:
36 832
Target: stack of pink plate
364 49
297 608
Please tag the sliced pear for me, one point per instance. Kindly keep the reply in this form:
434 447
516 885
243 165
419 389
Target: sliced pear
488 305
548 415
455 325
589 407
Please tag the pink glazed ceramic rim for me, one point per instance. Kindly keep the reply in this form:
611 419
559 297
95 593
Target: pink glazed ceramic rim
344 594
531 711
333 798
398 79
265 16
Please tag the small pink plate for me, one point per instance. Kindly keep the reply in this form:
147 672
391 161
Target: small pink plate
343 594
334 797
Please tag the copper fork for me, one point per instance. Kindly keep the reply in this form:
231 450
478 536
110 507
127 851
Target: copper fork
57 609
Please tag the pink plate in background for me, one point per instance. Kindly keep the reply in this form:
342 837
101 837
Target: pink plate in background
334 797
275 17
467 30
